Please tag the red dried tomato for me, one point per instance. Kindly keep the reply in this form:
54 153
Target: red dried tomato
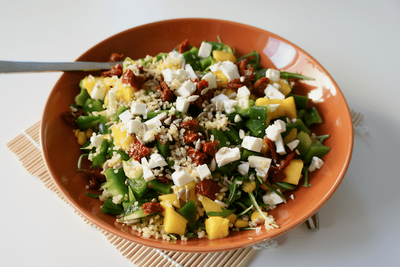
71 116
190 125
197 157
192 136
208 188
96 178
210 148
115 70
133 80
116 57
151 207
166 93
183 47
137 150
259 86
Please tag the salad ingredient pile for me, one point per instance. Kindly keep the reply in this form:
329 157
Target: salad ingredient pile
195 142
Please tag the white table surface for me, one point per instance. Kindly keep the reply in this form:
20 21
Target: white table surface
358 42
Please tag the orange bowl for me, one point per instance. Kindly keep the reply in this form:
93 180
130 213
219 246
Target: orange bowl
61 151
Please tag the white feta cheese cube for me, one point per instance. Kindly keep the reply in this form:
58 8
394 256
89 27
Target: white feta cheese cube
243 168
203 171
156 160
230 70
316 163
215 67
261 164
210 78
125 116
227 155
271 198
243 102
181 177
98 92
280 146
96 140
169 75
148 174
175 56
190 71
276 85
186 89
153 123
134 126
272 132
252 143
272 107
292 145
229 105
204 50
182 74
243 91
138 108
273 93
218 101
281 125
182 104
273 75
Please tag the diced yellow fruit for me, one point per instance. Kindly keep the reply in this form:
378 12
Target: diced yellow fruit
290 107
217 227
221 78
210 205
256 215
229 91
249 186
124 92
241 223
277 113
285 87
90 81
174 223
221 56
291 136
192 194
293 171
121 138
165 207
171 198
264 148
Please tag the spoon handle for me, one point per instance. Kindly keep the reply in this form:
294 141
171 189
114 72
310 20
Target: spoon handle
32 66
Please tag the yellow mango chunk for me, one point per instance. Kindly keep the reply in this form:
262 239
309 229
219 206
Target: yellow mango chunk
121 138
171 198
217 227
174 223
220 78
285 87
124 92
278 112
221 56
256 216
264 148
192 195
249 186
290 107
241 223
210 205
291 136
293 171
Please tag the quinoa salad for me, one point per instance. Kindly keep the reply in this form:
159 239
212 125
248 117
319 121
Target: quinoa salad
196 142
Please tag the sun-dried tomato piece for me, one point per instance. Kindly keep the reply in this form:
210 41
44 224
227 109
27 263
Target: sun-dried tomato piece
133 80
115 70
190 125
201 85
137 150
259 87
192 136
71 116
151 207
116 57
166 93
208 188
183 47
197 157
210 148
96 177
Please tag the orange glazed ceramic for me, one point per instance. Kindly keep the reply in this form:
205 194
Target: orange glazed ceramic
61 151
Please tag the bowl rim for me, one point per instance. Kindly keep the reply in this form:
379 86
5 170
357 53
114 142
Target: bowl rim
177 246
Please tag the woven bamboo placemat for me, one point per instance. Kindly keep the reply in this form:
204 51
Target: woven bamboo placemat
26 146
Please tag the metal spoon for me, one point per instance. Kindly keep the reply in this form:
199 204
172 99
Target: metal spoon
32 66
